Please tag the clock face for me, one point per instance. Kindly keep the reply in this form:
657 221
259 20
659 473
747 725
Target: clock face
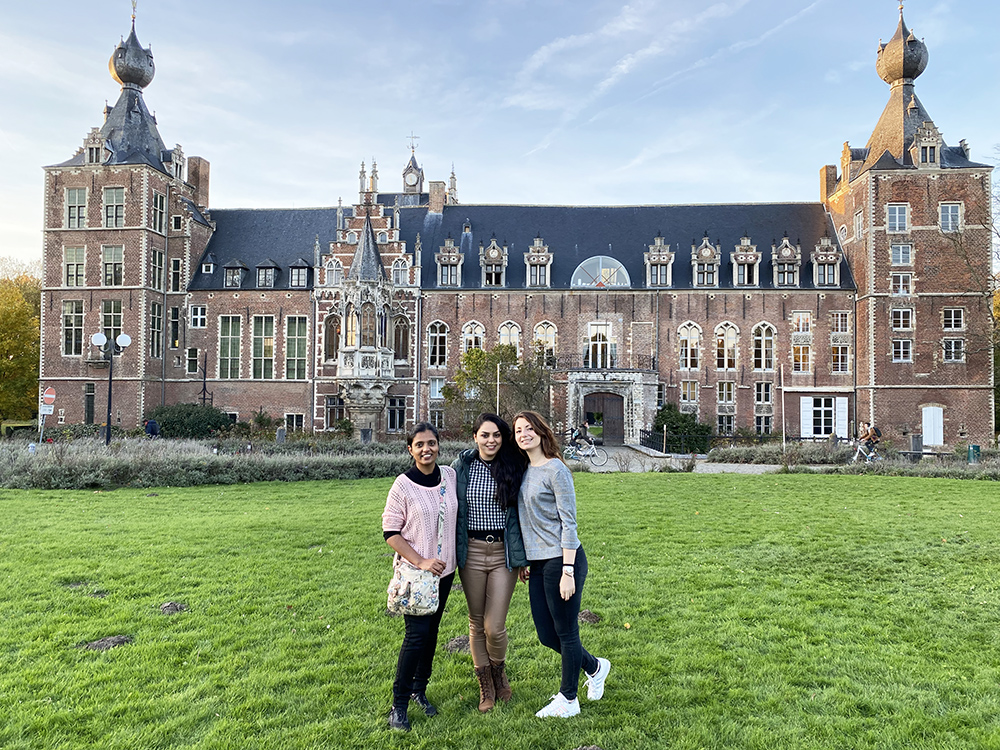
411 179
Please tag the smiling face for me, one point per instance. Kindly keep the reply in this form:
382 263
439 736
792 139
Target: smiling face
424 449
488 439
525 436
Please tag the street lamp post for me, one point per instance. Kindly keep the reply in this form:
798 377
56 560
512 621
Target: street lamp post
109 349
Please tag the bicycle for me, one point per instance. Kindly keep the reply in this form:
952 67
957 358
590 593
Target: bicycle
597 456
868 456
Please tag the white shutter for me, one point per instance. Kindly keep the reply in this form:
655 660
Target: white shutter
840 427
805 416
933 425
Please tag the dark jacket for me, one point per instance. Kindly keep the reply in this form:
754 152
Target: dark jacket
513 543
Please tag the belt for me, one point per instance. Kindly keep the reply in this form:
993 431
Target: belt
490 537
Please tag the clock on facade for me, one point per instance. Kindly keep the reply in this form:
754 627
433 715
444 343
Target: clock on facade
411 178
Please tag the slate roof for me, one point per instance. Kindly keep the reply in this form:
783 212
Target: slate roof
572 233
254 235
576 233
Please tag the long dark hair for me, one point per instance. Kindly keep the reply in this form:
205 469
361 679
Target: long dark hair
550 446
508 466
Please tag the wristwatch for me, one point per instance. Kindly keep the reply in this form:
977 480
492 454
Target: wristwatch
568 569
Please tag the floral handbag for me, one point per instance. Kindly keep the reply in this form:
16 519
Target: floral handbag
413 591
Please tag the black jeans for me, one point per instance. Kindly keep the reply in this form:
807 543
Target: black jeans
416 656
556 620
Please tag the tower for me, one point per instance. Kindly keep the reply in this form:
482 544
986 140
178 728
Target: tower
122 225
914 217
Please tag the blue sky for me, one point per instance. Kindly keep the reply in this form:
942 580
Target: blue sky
540 101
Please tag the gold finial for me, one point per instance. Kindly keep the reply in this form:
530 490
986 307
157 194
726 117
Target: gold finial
133 11
413 141
901 7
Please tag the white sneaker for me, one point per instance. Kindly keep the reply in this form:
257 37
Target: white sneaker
560 707
595 682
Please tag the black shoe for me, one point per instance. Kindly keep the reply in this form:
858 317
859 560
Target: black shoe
421 700
398 720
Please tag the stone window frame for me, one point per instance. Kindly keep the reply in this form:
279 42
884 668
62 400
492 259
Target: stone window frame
548 342
953 318
75 267
473 331
76 211
114 207
725 424
401 338
901 318
505 330
395 414
198 316
764 346
112 265
836 318
727 344
156 330
659 262
746 263
437 344
690 391
538 265
896 254
840 359
297 348
954 224
493 265
801 321
725 392
902 351
953 350
158 213
72 328
897 218
801 358
689 339
901 285
262 343
763 393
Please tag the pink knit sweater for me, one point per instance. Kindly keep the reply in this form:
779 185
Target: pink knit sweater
413 510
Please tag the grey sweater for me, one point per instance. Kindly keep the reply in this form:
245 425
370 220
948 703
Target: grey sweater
547 509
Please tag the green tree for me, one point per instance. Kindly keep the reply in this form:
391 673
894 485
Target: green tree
523 384
19 342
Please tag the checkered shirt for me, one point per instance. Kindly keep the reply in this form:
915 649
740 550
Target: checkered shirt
485 513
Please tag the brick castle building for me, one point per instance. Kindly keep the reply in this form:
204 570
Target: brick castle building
871 304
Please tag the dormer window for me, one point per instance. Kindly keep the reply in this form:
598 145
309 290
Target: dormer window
659 264
493 260
705 263
449 261
266 275
600 272
928 154
926 149
537 261
826 263
298 277
94 154
234 277
746 263
787 259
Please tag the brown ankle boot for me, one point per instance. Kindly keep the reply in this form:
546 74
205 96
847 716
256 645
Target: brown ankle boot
487 693
500 684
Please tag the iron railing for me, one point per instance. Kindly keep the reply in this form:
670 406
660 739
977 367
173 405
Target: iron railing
645 362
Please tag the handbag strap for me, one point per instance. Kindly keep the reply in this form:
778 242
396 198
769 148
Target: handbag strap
441 509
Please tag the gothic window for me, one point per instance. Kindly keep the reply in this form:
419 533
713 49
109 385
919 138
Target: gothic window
437 344
401 339
350 328
763 348
368 324
545 340
399 273
510 334
689 337
726 337
473 334
334 272
331 337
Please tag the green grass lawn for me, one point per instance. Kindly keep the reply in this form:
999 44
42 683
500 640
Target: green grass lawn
784 611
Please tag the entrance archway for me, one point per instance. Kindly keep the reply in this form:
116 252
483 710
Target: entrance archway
606 410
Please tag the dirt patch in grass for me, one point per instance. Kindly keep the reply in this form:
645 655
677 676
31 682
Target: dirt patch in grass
172 608
103 644
588 616
459 645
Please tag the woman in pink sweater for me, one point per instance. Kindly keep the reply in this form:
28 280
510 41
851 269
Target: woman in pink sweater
419 501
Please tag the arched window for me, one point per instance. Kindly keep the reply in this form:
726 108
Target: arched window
600 272
545 340
399 273
510 333
726 338
689 336
368 324
334 272
763 347
350 328
383 237
331 337
401 339
437 344
473 334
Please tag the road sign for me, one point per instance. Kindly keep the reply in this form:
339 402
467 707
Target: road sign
49 397
46 409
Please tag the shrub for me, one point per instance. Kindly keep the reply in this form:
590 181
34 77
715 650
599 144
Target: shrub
685 434
189 420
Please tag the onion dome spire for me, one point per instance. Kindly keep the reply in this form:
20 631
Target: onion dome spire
903 58
130 63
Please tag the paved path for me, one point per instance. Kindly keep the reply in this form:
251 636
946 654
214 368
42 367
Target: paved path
641 460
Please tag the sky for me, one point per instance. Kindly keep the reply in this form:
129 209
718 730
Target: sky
581 102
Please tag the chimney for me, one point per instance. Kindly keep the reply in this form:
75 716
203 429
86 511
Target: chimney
827 182
198 179
439 195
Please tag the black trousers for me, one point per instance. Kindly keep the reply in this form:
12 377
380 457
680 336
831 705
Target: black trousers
556 620
416 656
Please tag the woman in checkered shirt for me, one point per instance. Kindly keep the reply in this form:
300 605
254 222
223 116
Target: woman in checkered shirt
489 548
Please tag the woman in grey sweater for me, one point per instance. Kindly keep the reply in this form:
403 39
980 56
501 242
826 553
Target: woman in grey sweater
558 566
